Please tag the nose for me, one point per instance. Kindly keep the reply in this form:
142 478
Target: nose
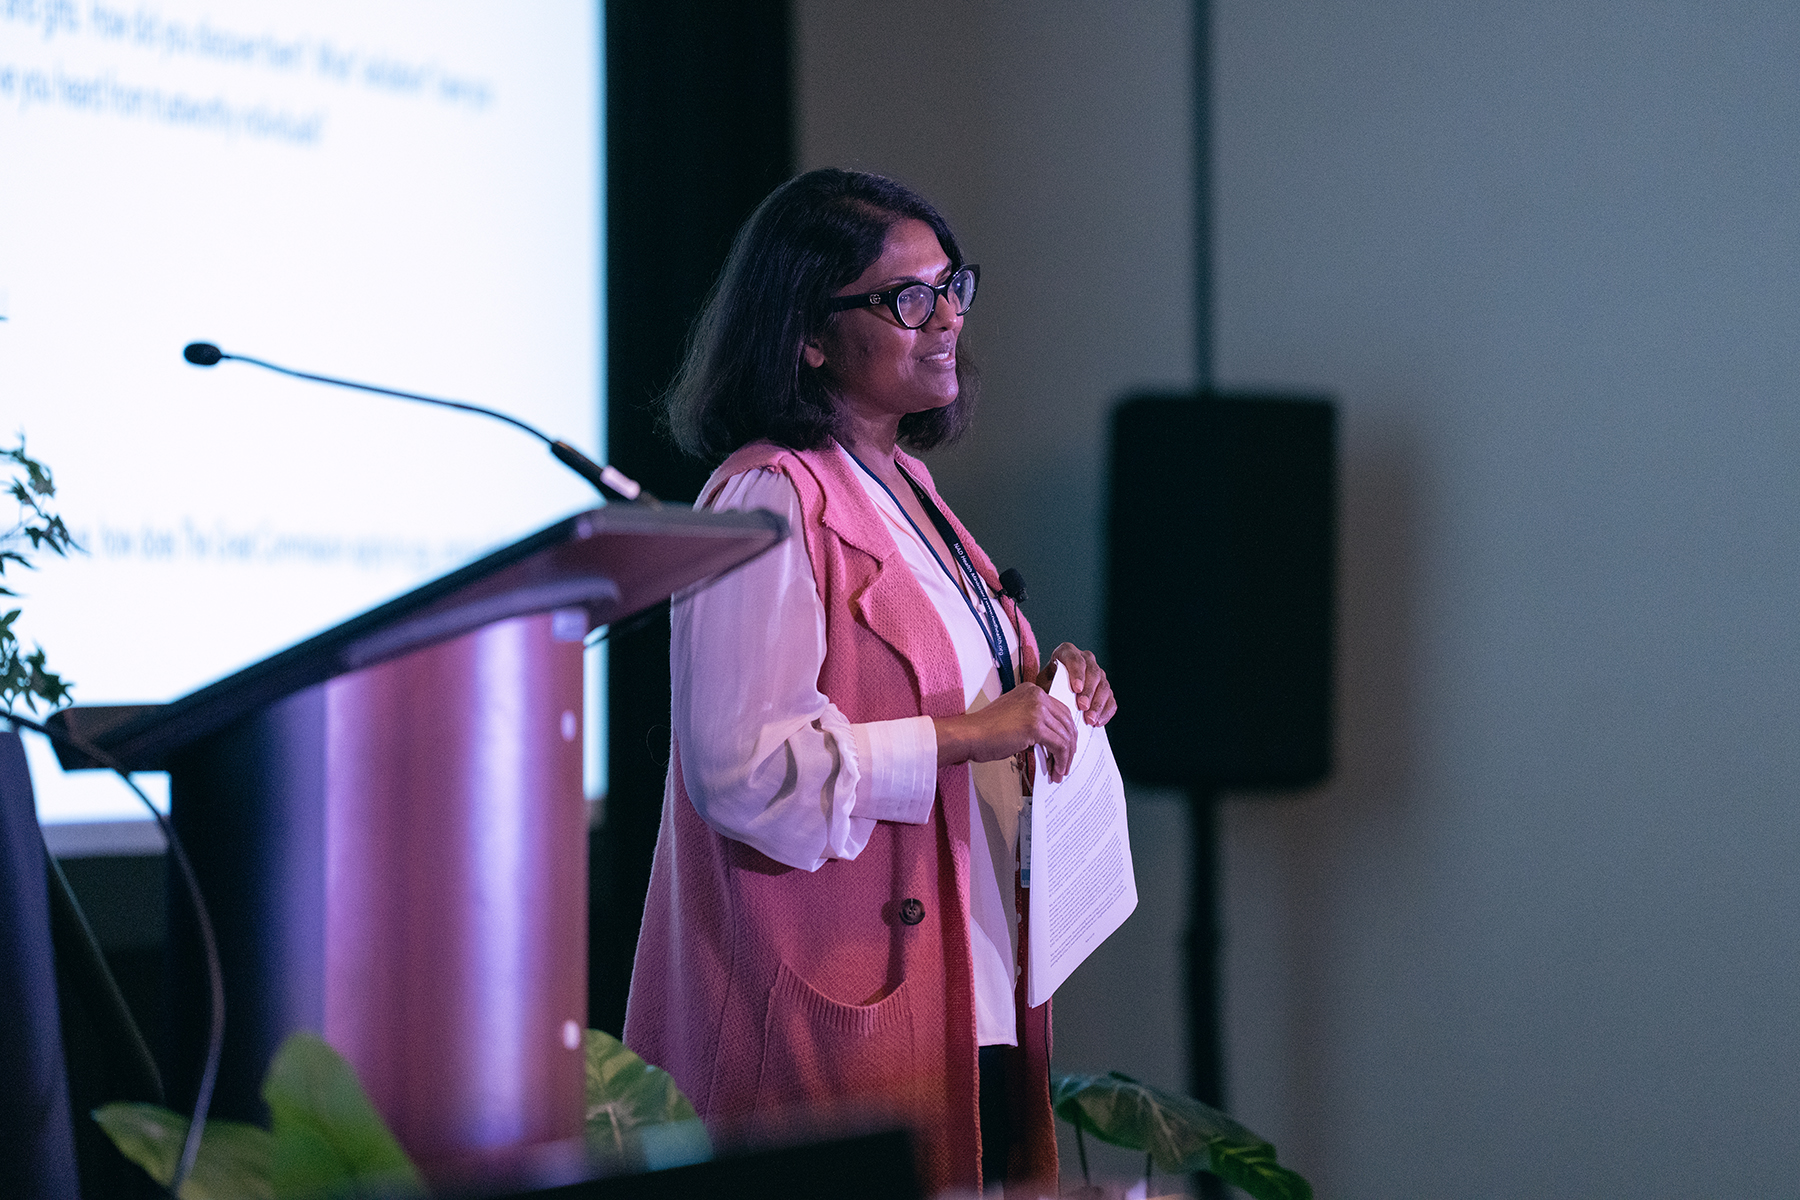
944 314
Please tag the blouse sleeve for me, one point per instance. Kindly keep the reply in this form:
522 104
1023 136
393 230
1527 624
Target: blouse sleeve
766 758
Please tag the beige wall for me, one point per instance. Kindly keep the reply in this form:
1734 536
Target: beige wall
1057 139
1541 936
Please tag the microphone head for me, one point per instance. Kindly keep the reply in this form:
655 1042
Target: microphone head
202 354
1013 584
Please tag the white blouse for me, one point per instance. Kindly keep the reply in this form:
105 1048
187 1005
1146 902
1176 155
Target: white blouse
769 761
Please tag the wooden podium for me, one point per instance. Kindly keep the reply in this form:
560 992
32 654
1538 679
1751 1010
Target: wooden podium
388 826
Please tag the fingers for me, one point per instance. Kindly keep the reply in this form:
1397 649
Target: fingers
1053 729
1093 691
1075 663
1049 725
1058 740
1027 716
1101 709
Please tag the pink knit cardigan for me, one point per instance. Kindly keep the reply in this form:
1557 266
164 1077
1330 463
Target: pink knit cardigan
775 995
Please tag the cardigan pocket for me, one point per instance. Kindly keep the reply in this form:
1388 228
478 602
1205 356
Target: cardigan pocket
824 1058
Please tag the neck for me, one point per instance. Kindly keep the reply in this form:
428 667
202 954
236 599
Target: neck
872 440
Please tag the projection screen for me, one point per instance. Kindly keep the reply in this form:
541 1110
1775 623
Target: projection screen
405 193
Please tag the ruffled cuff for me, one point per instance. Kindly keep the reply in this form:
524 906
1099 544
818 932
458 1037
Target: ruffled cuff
897 770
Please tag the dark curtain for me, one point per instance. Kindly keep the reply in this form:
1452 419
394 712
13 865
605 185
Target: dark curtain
698 129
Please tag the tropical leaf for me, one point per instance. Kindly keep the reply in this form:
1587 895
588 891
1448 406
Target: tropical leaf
1178 1132
1254 1169
631 1104
233 1163
1175 1130
328 1139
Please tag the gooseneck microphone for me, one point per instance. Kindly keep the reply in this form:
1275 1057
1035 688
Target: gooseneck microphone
609 482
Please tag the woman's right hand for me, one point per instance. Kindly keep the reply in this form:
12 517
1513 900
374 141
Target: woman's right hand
1022 718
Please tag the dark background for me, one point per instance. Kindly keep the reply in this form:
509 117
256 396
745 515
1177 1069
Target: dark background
699 129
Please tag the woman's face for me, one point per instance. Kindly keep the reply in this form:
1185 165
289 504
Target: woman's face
878 368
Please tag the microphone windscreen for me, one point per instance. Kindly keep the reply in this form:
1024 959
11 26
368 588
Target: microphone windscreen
1013 584
202 354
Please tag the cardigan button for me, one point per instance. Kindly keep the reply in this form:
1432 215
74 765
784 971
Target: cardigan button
911 911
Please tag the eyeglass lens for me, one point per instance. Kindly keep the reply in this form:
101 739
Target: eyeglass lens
915 304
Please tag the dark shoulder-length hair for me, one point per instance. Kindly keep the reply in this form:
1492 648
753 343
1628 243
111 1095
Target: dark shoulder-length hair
744 378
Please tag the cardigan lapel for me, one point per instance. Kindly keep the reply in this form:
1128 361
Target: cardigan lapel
984 566
892 605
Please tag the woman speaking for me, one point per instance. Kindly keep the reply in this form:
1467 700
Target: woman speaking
832 924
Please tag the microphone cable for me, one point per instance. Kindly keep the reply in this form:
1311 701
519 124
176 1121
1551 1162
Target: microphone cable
215 975
607 480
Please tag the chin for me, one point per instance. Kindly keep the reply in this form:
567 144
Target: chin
937 403
941 397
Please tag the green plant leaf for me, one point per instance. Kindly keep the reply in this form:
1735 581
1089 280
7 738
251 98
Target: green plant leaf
328 1139
1254 1169
1178 1132
23 677
233 1163
626 1095
1175 1130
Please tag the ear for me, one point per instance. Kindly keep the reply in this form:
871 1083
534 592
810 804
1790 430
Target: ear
812 355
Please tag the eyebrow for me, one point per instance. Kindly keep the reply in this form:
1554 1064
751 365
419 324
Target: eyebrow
895 280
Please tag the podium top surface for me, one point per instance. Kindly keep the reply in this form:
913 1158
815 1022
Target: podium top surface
610 562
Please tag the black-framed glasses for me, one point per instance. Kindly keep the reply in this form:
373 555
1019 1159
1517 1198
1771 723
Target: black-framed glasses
913 303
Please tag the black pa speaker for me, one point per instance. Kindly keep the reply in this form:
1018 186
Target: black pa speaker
1223 529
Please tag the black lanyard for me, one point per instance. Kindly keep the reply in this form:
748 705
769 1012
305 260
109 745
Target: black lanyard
986 618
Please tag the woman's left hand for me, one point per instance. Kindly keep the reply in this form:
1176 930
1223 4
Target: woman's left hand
1093 691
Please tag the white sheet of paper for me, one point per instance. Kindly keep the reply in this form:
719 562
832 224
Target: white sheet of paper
1082 887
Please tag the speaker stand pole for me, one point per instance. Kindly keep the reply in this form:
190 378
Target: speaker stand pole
1205 1049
